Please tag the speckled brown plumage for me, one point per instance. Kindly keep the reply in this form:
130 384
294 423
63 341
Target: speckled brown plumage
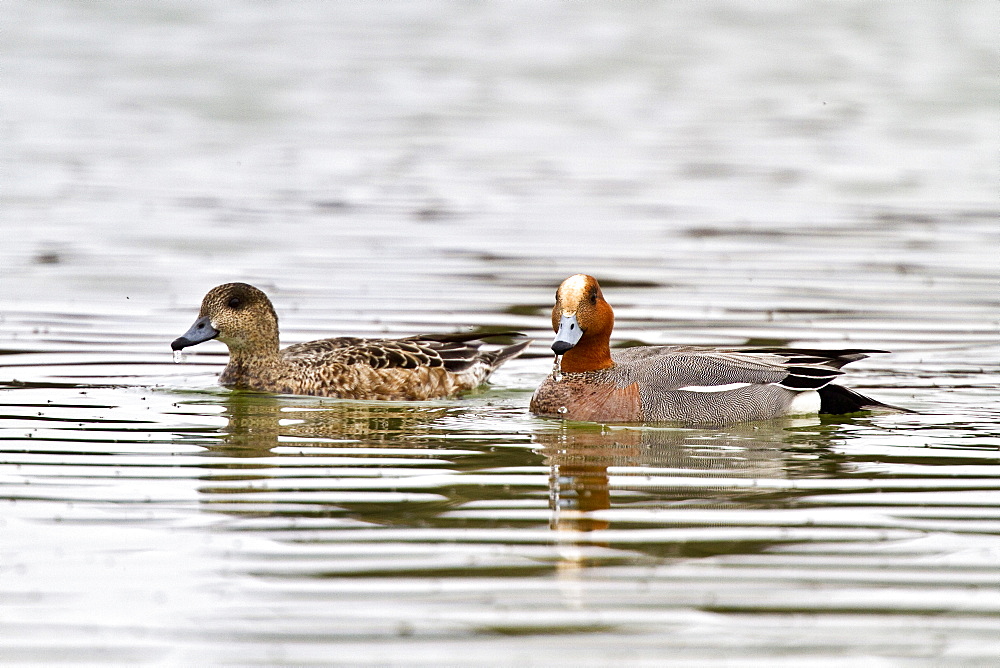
413 369
687 384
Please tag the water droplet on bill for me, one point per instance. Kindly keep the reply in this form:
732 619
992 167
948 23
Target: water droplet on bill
178 356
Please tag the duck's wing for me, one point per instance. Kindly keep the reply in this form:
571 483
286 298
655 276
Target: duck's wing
700 369
453 352
460 351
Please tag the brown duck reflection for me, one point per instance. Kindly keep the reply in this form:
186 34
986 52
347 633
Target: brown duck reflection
258 422
275 481
579 457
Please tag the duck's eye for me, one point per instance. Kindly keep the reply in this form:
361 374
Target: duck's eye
235 303
593 296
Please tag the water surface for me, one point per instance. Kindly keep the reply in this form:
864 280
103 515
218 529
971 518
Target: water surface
821 175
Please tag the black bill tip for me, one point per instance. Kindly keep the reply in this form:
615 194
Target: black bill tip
559 347
180 342
201 330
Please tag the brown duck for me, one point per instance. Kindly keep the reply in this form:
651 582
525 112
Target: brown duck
686 384
411 369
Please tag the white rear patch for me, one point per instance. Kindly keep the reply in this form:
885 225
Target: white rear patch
804 403
714 388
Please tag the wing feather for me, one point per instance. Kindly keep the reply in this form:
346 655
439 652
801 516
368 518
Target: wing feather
453 352
676 367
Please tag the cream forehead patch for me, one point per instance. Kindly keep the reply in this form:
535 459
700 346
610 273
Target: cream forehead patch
574 290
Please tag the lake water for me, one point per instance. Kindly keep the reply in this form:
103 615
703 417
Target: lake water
822 174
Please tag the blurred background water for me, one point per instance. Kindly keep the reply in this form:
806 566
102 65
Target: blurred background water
823 174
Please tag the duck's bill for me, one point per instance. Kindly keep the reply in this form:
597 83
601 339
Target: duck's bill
568 334
201 330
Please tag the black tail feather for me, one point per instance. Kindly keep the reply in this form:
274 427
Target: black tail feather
837 399
809 377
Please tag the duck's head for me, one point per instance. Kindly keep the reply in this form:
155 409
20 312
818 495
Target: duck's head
582 321
239 315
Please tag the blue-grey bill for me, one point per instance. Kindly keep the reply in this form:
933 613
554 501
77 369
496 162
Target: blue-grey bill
201 330
568 334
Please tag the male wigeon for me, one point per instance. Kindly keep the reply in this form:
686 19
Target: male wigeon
411 369
686 384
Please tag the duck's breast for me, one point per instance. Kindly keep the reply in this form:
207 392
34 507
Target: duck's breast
589 396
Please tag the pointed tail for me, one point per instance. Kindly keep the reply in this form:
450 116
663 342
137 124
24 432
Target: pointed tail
498 357
837 399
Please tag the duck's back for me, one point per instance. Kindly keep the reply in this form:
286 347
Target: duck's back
412 369
663 368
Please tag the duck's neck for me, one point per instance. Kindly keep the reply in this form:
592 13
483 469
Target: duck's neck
248 356
247 367
588 355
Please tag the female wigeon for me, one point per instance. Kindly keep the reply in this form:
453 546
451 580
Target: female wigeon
411 369
686 384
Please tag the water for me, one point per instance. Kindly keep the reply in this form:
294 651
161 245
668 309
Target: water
812 173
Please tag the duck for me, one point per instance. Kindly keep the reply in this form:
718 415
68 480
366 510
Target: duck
694 385
416 368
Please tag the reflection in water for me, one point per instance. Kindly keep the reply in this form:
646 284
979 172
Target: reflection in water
259 422
301 457
580 456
